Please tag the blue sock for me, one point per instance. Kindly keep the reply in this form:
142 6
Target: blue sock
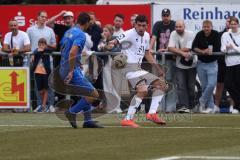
87 113
79 106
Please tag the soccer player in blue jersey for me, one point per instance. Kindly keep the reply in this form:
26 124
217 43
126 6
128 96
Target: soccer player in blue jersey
71 48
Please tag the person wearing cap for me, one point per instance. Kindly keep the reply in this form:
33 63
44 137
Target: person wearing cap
60 29
160 35
161 31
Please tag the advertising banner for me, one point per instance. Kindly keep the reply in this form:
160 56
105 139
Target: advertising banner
14 87
195 14
26 15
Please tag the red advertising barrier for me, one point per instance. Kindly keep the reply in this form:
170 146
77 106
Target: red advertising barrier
26 14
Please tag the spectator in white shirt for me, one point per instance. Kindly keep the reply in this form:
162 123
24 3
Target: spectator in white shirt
15 43
231 44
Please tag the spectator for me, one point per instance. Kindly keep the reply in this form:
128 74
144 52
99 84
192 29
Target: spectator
107 36
118 23
88 45
230 44
42 70
132 20
94 31
121 86
40 30
180 43
161 31
60 29
98 22
220 92
86 53
206 42
16 42
161 34
108 73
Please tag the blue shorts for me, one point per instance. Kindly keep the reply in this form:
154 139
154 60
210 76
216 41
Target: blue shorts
80 80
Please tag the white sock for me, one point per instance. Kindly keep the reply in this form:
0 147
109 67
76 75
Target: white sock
156 99
135 102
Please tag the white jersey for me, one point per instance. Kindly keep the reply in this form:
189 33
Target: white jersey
140 44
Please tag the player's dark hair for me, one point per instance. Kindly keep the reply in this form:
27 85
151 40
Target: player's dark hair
83 18
119 15
141 18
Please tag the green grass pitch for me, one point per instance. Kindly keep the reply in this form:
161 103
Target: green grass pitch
26 136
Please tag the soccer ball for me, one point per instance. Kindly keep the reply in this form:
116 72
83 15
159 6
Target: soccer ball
120 60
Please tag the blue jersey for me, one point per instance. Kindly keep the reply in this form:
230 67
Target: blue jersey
73 37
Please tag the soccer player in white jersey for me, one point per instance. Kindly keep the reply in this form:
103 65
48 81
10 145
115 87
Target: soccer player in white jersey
140 80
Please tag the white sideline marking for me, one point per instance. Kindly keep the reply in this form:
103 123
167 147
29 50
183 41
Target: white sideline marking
30 125
168 158
148 127
186 127
198 157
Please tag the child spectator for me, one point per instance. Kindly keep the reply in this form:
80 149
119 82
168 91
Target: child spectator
42 70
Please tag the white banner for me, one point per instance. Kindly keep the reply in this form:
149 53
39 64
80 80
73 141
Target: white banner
194 14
